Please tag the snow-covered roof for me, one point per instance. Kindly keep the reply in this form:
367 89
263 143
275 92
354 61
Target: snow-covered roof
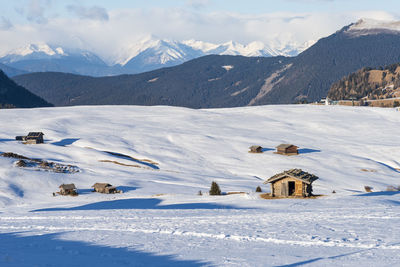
294 173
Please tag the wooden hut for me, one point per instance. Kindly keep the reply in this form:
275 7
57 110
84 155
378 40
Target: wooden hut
255 149
105 188
294 182
68 189
32 138
287 149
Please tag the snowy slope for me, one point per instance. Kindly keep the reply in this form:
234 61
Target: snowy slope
159 220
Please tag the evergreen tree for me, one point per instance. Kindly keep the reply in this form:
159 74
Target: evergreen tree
215 190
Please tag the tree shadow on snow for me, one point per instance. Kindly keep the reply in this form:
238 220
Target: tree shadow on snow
141 203
300 263
65 142
50 250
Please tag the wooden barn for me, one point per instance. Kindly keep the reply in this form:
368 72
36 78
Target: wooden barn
287 149
294 182
32 138
255 149
105 188
68 189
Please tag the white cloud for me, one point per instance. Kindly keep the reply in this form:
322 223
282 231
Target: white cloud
5 24
35 11
197 3
94 13
125 27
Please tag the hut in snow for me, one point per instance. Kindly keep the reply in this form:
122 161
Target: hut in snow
32 138
287 149
294 182
105 188
68 189
255 149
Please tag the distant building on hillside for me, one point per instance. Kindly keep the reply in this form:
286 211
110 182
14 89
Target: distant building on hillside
294 182
68 189
105 188
32 138
255 149
287 149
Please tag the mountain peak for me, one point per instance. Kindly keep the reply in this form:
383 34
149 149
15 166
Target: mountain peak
37 48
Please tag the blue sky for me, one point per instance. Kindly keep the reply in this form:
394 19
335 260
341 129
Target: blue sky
108 26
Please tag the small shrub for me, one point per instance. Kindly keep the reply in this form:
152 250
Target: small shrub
258 189
368 189
333 192
215 190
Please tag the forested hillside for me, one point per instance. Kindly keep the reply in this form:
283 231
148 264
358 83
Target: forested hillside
368 83
13 95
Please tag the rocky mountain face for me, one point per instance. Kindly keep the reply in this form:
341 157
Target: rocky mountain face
368 84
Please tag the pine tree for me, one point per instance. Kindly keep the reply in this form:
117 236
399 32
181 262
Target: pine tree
258 189
215 191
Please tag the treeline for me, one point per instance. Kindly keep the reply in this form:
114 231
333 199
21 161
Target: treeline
359 84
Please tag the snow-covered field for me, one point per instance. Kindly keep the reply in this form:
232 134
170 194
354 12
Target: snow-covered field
160 220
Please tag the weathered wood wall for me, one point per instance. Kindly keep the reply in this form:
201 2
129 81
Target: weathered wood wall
278 190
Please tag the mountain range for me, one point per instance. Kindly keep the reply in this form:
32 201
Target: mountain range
146 55
228 81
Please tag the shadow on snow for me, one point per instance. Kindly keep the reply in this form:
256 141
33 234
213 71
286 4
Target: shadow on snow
65 142
140 203
50 250
308 150
381 193
7 140
125 189
126 157
300 263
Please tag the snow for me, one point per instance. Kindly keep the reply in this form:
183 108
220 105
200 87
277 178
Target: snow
228 67
376 24
188 49
372 26
160 220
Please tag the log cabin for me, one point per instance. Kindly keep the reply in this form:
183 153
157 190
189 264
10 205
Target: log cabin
287 149
292 183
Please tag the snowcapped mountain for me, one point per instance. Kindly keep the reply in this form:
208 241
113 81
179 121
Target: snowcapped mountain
43 57
148 54
152 53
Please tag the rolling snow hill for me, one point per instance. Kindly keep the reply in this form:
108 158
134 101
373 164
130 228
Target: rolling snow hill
173 153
